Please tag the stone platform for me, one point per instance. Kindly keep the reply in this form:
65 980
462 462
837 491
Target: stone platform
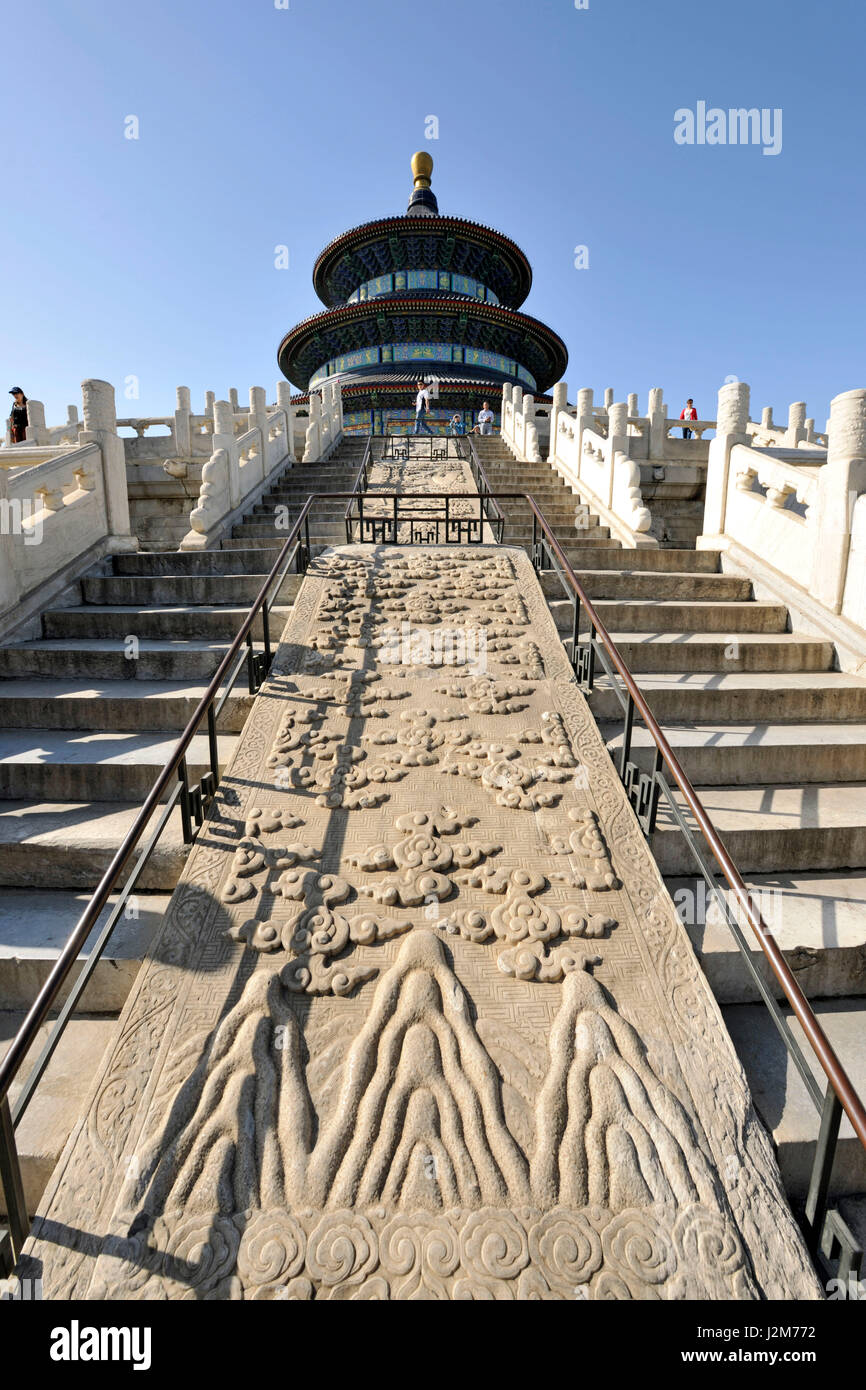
422 1021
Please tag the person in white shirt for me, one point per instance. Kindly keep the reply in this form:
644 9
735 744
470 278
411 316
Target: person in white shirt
422 405
485 419
688 412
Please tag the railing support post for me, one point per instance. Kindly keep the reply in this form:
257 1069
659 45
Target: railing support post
12 1182
625 752
822 1168
213 749
652 813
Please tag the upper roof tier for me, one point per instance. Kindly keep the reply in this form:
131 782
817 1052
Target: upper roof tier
422 240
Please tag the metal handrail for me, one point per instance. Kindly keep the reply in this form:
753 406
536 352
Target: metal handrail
840 1095
193 804
823 1048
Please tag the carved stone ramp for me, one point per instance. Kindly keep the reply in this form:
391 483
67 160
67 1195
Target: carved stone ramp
422 1021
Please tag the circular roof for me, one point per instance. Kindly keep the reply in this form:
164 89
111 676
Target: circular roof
375 323
422 243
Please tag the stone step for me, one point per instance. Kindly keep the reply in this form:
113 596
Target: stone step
174 589
266 530
333 465
107 659
266 543
674 617
259 534
713 652
547 498
59 1099
188 562
659 561
775 829
316 477
652 587
35 926
512 480
577 553
743 754
782 1100
825 696
76 766
117 621
555 514
71 844
818 919
115 705
293 502
544 495
298 490
519 531
301 485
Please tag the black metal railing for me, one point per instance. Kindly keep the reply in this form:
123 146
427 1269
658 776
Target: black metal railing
415 518
423 518
435 446
825 1228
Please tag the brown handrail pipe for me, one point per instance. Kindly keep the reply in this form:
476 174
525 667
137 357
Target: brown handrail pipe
821 1045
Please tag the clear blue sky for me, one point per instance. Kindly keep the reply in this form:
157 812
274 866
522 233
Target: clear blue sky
262 126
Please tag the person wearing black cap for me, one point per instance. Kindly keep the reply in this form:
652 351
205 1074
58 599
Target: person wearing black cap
18 418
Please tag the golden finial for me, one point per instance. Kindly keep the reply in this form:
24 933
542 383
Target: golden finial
422 168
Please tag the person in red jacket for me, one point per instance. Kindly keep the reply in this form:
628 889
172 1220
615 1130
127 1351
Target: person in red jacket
688 412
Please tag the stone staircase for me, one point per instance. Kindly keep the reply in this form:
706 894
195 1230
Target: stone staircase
272 517
774 739
575 525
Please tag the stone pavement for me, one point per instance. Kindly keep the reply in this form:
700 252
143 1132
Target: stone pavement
422 1021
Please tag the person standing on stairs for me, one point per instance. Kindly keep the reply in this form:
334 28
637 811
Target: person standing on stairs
422 405
485 420
18 421
688 412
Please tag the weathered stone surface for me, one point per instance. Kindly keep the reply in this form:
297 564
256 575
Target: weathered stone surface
423 1021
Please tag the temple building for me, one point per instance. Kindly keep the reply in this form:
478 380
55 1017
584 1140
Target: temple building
421 296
